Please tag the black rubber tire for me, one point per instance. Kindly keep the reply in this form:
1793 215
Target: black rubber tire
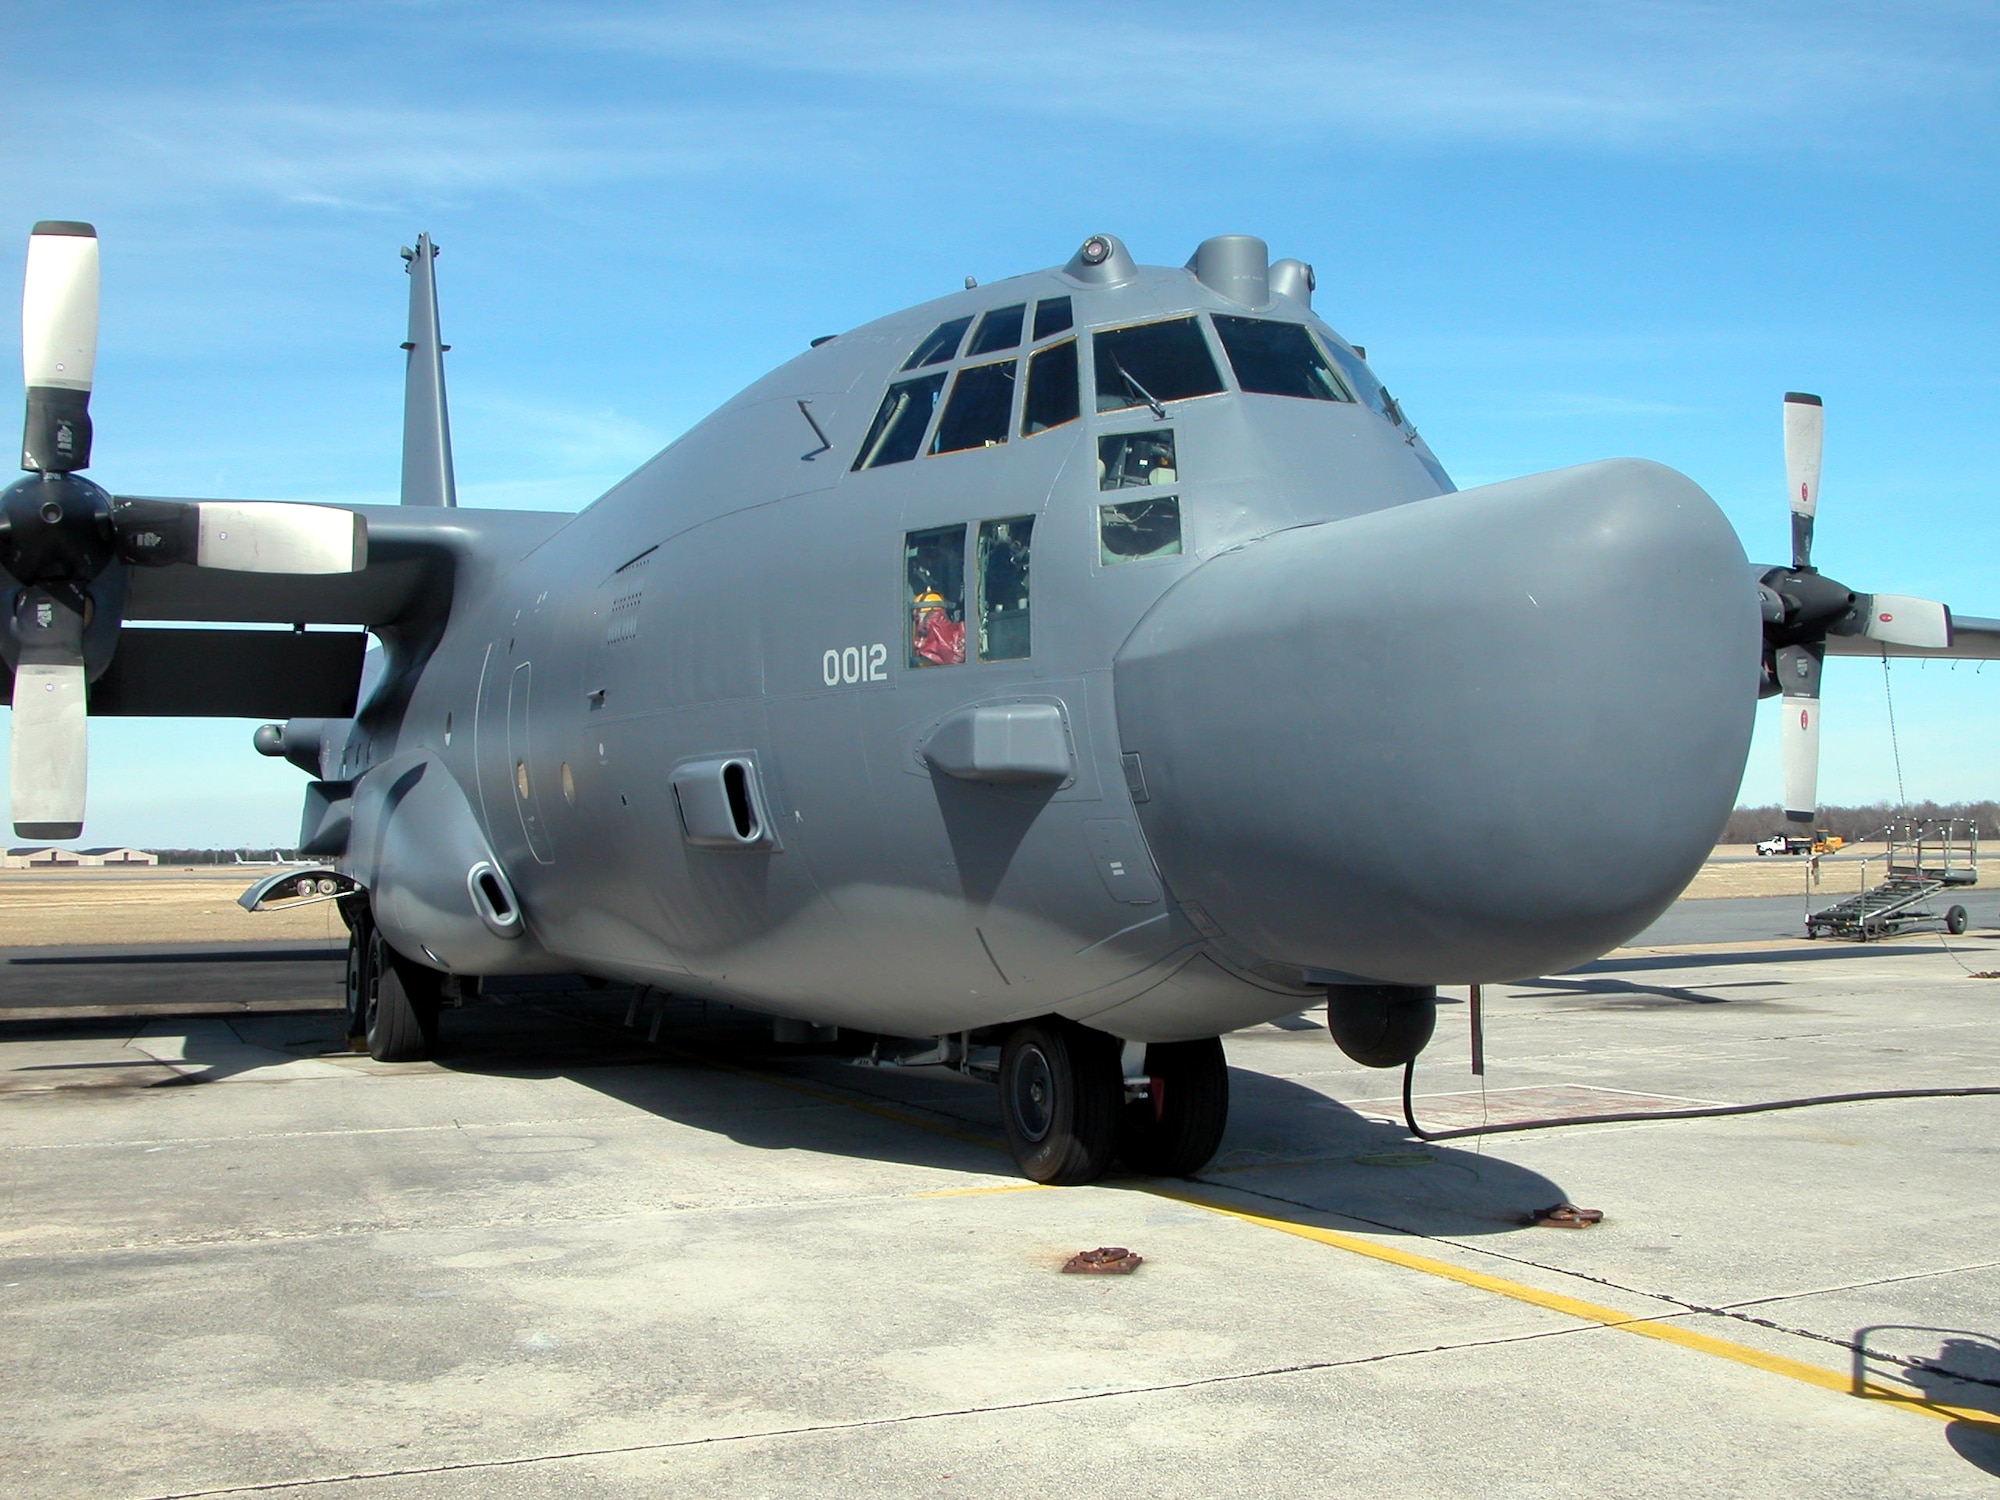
403 1004
1176 1131
360 930
1061 1092
1955 920
1381 1025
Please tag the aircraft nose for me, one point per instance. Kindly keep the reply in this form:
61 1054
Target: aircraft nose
1477 737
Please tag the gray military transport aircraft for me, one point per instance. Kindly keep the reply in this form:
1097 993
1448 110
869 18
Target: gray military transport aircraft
1070 670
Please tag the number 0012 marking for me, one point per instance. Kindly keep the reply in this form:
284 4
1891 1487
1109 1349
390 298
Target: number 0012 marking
850 664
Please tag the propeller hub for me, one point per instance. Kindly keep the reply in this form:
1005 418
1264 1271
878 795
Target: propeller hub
58 529
1814 606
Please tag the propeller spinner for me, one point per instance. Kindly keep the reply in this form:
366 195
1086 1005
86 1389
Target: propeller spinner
1802 607
66 541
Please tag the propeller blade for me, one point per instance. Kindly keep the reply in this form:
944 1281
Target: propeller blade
263 536
1899 620
47 774
1798 676
1805 429
49 757
59 345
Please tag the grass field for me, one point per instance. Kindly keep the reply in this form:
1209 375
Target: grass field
55 908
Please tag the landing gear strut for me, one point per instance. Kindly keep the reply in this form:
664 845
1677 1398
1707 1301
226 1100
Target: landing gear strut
1063 1103
392 1004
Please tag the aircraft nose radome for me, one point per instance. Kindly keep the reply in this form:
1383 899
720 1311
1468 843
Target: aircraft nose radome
1476 737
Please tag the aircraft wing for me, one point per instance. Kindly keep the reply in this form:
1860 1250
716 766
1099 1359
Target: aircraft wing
418 559
1972 639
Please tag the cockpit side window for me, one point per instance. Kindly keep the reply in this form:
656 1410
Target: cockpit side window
934 596
941 345
981 405
1052 316
1052 389
1362 379
1003 588
999 329
1137 460
1138 529
1153 363
898 429
1279 359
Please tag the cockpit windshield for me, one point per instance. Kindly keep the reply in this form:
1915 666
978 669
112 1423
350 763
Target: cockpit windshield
941 345
1052 316
982 399
898 429
1279 359
1153 363
999 329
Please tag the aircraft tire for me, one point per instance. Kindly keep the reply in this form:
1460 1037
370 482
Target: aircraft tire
357 979
1061 1090
1175 1132
403 1004
1955 920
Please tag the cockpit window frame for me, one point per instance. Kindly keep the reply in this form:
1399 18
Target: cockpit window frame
931 345
999 330
887 419
1343 390
961 379
1217 360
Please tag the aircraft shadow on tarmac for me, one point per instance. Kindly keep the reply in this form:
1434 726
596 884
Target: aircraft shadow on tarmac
1301 1155
1639 963
1964 1373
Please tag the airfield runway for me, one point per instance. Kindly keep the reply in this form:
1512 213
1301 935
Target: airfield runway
567 1258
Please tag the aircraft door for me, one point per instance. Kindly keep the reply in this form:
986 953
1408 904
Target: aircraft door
521 767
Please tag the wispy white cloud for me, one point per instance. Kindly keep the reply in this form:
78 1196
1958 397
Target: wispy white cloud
349 157
1561 70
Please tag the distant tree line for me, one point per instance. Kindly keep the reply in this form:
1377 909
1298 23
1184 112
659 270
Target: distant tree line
1749 824
222 856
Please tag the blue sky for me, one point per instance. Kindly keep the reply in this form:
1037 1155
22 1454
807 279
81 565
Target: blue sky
1564 232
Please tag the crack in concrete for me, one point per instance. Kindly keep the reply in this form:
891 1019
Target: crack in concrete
1929 1367
1271 1372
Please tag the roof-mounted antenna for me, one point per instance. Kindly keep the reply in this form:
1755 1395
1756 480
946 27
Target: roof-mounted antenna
427 471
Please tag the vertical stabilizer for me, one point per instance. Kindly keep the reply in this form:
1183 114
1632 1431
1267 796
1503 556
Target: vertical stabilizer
427 476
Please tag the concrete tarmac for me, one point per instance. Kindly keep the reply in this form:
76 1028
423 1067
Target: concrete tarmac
567 1259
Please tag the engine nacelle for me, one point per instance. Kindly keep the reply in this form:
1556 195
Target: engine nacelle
437 891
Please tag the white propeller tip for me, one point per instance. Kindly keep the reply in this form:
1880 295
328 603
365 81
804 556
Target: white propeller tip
267 536
1900 620
59 307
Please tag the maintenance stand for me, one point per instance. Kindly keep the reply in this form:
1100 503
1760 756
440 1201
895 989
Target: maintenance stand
1924 860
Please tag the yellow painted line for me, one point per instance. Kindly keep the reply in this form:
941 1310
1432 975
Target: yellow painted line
1587 1312
1590 1312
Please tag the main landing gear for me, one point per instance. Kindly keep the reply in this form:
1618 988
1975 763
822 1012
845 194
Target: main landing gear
392 1003
1069 1107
